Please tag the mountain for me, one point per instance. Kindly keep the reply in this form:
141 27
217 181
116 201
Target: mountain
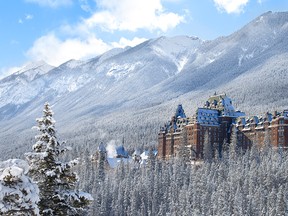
18 89
242 63
122 91
120 74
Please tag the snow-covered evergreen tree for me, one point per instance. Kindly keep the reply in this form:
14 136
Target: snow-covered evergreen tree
55 178
281 204
101 162
18 194
234 145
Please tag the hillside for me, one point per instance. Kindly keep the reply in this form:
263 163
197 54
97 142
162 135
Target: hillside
130 92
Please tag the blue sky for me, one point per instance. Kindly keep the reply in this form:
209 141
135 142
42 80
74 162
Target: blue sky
58 30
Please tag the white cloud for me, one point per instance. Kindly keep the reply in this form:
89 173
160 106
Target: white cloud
4 72
231 6
28 16
133 15
51 3
85 5
124 42
80 40
55 51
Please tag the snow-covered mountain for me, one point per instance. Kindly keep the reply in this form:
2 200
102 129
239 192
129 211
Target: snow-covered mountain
145 82
114 77
249 65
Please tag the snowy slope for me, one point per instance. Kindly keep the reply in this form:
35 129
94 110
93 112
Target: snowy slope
145 83
21 88
119 73
260 44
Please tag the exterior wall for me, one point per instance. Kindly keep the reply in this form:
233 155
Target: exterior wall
169 145
277 131
285 134
192 140
161 145
217 118
225 129
177 144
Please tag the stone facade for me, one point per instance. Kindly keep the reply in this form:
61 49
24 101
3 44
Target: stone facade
254 129
186 135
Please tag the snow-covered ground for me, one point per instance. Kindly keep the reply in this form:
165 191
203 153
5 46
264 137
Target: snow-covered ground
142 84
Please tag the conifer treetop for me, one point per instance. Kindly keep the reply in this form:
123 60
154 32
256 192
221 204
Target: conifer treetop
56 180
18 194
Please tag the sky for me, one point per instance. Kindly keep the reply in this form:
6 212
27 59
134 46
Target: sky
56 31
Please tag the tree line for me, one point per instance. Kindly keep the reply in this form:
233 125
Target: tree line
253 182
43 184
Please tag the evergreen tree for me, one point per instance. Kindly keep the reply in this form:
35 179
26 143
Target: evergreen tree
271 202
267 147
281 206
184 152
55 179
234 145
18 194
101 162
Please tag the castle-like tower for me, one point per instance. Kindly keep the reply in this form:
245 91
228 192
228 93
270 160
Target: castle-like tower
187 134
216 118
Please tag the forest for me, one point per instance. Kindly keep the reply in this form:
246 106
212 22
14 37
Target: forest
251 182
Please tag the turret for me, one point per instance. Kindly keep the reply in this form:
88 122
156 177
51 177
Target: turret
180 112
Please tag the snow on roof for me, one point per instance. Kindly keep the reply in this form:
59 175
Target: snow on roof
224 104
216 106
259 120
114 162
229 110
208 116
121 151
145 155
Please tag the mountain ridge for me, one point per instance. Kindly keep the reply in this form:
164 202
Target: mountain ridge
125 85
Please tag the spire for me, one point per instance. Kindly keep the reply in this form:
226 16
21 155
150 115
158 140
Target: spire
180 112
102 147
